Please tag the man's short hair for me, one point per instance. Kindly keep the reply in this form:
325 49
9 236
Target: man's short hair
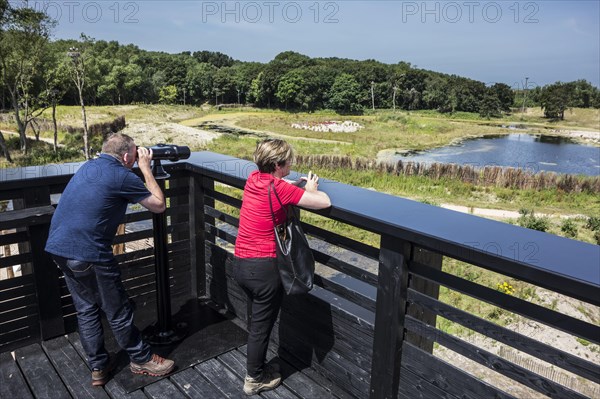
272 152
117 144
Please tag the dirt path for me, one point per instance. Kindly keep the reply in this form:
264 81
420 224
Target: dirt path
44 139
500 213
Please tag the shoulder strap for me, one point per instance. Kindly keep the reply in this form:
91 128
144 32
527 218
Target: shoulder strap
271 202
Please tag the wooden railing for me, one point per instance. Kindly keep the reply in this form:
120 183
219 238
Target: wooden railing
376 324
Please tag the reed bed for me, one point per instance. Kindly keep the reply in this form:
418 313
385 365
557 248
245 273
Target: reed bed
487 176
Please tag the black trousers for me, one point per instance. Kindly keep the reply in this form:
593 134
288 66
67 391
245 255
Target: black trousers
259 278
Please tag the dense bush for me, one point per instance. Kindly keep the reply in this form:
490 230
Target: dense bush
593 223
568 228
530 221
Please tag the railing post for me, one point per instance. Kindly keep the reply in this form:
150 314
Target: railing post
197 216
433 260
46 277
389 317
178 182
32 197
45 272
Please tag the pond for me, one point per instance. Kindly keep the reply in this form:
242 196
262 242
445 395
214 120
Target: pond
518 150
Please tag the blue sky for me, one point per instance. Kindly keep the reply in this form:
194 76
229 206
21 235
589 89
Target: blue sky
491 41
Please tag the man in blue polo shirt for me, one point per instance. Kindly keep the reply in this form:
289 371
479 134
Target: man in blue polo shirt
80 242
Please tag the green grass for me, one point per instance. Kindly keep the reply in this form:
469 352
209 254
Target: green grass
399 131
580 118
134 113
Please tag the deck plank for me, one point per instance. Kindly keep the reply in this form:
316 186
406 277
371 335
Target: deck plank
222 378
63 359
191 382
163 389
299 382
72 369
116 391
41 377
112 387
319 379
12 382
236 362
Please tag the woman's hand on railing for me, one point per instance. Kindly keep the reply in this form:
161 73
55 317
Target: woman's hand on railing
313 198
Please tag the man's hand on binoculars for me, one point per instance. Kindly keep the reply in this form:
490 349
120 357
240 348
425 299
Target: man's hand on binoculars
144 158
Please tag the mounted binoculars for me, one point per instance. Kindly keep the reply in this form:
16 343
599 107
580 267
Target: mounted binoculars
170 152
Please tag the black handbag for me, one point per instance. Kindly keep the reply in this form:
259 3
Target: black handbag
295 259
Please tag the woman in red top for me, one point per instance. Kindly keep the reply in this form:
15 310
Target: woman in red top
255 266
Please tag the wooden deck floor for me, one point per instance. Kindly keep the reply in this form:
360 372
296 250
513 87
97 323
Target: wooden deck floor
56 369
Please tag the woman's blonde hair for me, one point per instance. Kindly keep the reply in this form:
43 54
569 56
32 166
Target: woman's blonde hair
272 152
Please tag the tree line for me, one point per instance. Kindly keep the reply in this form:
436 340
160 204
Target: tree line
38 73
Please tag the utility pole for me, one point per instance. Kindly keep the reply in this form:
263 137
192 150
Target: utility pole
373 94
524 94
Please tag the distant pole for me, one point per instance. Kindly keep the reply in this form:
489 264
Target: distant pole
525 94
394 97
373 94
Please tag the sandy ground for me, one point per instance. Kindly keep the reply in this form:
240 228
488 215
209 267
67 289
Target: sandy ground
148 134
500 213
580 135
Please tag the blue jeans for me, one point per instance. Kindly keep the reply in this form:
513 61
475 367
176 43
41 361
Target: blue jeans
95 287
259 278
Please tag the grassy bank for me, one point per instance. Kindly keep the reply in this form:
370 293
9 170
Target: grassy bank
399 131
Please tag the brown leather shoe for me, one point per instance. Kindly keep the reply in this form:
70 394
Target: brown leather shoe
101 377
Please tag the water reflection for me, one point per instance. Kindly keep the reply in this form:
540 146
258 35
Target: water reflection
532 152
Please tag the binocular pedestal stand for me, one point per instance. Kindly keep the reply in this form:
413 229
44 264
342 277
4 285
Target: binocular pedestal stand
163 332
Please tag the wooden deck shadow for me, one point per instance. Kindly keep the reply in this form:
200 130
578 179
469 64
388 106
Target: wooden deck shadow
210 334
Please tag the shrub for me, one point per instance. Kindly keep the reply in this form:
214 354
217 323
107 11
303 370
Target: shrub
429 202
593 223
568 228
530 221
43 156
